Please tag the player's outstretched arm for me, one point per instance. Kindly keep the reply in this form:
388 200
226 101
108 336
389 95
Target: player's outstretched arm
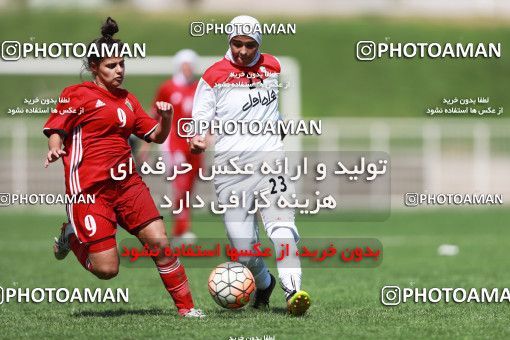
55 149
166 111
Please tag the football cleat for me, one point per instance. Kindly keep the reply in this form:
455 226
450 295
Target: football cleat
62 246
193 313
298 303
261 300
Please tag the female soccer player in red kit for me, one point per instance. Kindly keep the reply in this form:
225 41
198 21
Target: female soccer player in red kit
179 91
258 73
94 127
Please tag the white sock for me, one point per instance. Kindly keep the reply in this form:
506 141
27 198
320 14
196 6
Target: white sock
289 268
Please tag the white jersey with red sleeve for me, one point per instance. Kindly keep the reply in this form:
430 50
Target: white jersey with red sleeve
224 93
95 125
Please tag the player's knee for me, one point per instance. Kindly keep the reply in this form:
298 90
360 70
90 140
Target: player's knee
106 272
160 245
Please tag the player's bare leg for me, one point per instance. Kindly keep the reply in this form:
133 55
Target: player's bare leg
104 264
170 269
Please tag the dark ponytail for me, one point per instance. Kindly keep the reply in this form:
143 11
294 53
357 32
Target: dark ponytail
108 30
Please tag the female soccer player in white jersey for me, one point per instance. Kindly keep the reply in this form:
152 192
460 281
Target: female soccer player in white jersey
221 96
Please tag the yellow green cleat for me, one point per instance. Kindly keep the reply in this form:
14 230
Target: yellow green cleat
299 303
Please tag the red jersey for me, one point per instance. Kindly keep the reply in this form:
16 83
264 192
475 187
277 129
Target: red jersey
95 125
181 97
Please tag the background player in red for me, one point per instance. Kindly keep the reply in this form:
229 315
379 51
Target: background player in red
180 91
94 127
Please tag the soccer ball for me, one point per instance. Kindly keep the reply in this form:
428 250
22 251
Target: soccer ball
230 285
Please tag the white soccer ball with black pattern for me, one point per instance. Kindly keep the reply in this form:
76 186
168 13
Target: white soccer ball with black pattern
230 285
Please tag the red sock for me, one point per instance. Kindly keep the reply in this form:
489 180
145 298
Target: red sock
180 226
81 252
176 283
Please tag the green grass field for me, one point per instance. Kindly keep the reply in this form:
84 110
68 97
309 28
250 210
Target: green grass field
346 302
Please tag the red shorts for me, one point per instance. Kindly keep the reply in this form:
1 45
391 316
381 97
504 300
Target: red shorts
127 203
